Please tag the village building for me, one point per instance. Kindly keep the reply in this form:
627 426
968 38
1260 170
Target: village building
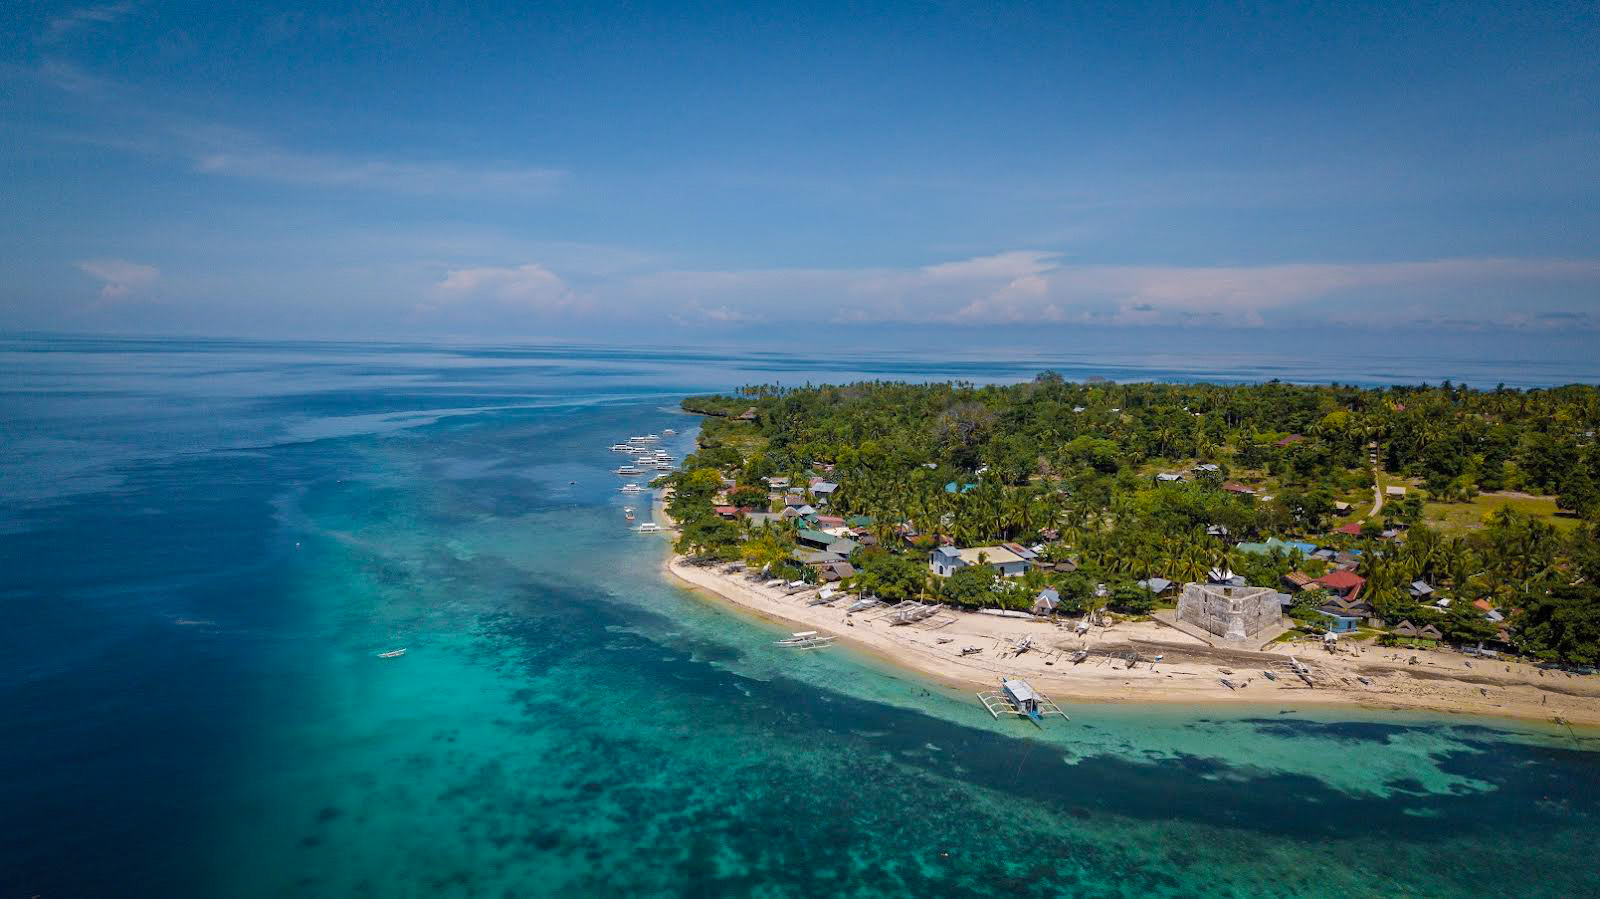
947 560
1232 613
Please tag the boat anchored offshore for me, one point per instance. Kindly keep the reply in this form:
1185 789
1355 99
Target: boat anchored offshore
631 488
1018 697
668 432
629 469
393 653
627 512
648 527
805 640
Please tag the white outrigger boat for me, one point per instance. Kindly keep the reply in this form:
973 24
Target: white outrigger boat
629 470
668 432
1018 697
648 527
393 653
806 640
631 488
621 448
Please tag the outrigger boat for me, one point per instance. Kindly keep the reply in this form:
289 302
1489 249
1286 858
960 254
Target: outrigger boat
1018 697
668 432
629 470
627 512
392 654
631 488
649 527
621 448
806 640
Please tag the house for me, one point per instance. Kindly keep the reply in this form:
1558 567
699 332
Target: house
815 557
777 483
1021 551
1405 629
1353 529
1156 585
1236 487
829 521
844 546
1420 590
1046 601
1394 490
1208 468
947 560
859 521
794 499
757 519
729 512
1290 440
1343 584
1430 632
1167 477
814 539
1298 580
1273 544
1338 622
823 490
1222 577
1341 506
836 571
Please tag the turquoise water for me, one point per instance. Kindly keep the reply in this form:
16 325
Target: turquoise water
207 544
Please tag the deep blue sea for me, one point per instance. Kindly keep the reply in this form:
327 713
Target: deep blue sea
206 543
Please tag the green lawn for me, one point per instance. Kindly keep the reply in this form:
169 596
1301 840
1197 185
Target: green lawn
1459 517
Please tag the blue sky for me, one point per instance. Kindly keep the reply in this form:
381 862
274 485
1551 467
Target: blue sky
669 169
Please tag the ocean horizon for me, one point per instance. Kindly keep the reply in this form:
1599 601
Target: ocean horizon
210 543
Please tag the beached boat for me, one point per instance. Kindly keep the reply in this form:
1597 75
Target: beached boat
648 527
805 640
1079 657
971 650
1269 675
392 654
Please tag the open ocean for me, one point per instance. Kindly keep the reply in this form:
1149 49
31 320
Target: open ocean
205 543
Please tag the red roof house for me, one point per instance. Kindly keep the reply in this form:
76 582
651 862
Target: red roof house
1353 529
1347 584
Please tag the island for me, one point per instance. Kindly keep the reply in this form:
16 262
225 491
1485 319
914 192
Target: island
1422 547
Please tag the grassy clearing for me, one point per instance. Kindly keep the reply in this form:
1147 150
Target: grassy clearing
1458 517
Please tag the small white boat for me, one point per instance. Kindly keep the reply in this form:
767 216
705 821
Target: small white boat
805 640
629 470
668 432
392 654
648 527
621 448
631 488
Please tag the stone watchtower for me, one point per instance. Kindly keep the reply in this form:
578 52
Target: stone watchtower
1232 613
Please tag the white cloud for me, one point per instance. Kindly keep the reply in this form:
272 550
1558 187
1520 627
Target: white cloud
1029 286
85 17
528 287
120 277
428 178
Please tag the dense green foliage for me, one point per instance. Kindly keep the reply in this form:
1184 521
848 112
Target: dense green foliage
1073 466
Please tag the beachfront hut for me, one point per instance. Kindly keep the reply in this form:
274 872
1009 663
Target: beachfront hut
1046 601
1405 629
1430 632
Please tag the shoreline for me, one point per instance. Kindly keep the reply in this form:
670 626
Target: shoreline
1444 682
